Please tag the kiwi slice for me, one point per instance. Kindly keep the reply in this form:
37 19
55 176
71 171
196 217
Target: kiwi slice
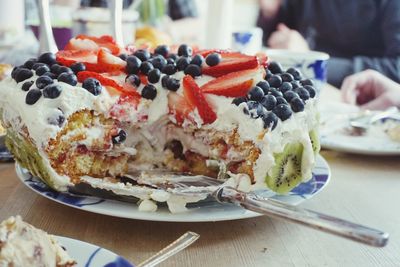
314 137
286 174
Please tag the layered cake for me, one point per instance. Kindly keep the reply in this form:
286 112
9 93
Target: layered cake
94 111
23 245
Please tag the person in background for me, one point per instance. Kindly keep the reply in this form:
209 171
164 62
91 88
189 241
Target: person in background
370 90
358 34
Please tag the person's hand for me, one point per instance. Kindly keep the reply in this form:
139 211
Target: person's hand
371 90
285 38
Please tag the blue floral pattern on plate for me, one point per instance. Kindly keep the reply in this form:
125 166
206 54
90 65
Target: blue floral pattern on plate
197 212
89 255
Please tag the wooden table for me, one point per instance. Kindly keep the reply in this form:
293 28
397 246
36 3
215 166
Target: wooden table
363 189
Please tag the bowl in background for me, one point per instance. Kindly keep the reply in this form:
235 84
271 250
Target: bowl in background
312 64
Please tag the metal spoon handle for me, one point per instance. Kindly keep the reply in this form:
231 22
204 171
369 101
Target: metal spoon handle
181 243
116 21
305 217
46 38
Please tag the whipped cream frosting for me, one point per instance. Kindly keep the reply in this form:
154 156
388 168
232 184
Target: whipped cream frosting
152 133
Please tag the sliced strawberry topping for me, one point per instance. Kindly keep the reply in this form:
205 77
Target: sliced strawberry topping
234 84
179 107
113 79
69 57
231 62
105 41
196 98
262 59
109 62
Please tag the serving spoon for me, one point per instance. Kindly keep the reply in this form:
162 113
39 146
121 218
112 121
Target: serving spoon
46 37
189 185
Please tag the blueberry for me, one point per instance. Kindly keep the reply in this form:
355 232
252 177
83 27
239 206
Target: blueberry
268 74
275 81
197 60
133 79
295 72
269 102
68 78
256 109
22 74
264 85
50 74
287 77
184 50
303 93
133 64
42 69
29 63
286 86
310 90
273 91
164 81
281 100
143 55
171 61
282 111
119 138
182 63
14 72
33 96
169 69
43 81
146 67
25 87
158 62
123 56
63 69
275 67
173 57
47 58
255 93
238 100
270 120
92 85
289 95
149 92
55 68
162 50
295 84
57 118
213 59
297 104
154 76
52 91
193 70
172 84
77 67
37 65
307 82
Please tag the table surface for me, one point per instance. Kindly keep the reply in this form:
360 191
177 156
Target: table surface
363 189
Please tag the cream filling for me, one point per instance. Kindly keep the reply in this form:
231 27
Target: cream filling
23 245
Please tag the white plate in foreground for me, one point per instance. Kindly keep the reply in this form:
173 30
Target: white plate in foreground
89 255
197 212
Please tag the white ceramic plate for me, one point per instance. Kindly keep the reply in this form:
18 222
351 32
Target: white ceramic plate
335 119
89 255
197 212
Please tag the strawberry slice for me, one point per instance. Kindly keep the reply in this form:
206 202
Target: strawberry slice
69 57
81 44
262 59
196 98
105 41
234 84
179 107
231 62
115 80
108 62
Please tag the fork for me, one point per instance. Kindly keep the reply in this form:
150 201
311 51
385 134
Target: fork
188 185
